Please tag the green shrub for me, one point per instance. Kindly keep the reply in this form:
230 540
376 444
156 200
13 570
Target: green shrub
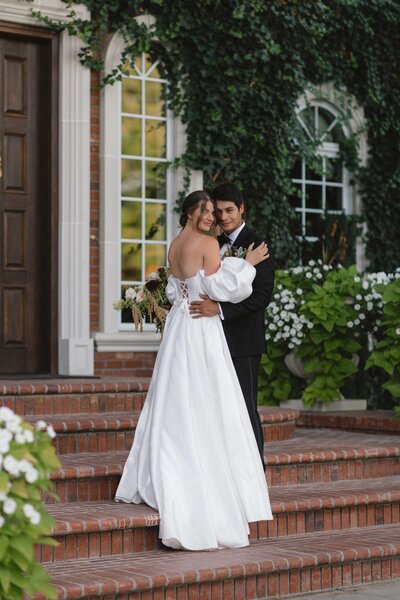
27 456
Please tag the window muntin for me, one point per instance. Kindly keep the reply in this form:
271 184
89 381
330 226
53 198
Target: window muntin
145 131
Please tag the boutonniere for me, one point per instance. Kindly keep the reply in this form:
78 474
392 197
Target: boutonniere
236 251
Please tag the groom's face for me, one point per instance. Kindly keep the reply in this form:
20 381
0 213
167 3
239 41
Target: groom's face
229 215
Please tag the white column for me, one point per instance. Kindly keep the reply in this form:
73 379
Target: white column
75 346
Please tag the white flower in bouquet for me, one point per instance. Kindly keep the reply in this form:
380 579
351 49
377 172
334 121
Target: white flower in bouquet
130 294
140 296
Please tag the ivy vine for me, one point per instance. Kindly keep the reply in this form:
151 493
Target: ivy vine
236 69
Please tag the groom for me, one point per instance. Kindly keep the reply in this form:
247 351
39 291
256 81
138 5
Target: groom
243 323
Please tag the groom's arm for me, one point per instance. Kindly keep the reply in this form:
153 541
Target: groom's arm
263 286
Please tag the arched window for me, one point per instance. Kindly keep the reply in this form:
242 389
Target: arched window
145 152
322 187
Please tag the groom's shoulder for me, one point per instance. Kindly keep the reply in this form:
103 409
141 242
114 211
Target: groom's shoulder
253 236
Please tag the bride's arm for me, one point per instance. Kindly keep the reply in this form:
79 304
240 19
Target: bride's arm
211 257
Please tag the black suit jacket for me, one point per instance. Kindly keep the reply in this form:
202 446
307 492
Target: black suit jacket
244 323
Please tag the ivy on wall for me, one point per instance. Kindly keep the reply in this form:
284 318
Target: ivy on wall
236 69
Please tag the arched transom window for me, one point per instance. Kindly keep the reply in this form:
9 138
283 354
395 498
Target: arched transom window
323 186
145 132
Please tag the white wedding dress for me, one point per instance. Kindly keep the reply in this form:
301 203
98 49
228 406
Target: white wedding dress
194 456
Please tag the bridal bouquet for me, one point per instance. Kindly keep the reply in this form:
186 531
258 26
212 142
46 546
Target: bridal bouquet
148 300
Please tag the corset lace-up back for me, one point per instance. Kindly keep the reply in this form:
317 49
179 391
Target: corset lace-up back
184 290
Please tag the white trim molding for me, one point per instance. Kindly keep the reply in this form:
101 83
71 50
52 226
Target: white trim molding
110 338
75 345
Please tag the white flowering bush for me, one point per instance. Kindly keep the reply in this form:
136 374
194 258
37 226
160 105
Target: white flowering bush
323 317
386 352
27 457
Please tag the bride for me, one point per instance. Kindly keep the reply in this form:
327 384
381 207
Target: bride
195 458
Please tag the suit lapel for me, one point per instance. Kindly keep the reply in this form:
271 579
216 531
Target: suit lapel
241 238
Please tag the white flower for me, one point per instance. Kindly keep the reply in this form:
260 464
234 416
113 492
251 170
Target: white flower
31 475
9 506
357 307
29 436
140 295
280 323
291 346
357 279
398 331
51 432
2 521
361 316
326 268
6 414
365 285
41 425
357 322
350 324
130 294
299 291
5 439
3 496
310 325
31 513
309 275
370 306
11 465
359 297
311 263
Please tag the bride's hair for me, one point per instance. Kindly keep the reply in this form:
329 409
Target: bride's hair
193 201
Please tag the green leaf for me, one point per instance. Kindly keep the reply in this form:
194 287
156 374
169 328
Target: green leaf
5 578
23 544
3 546
4 479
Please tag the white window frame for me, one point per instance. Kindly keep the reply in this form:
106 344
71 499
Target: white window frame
326 96
111 336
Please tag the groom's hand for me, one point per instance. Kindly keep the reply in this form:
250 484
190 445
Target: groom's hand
204 308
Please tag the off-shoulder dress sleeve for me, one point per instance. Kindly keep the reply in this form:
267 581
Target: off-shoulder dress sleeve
231 283
171 290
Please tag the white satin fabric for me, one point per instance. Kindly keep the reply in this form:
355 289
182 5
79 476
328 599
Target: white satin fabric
194 457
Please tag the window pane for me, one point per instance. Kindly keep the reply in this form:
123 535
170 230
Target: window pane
334 198
295 198
155 180
307 116
131 220
334 170
131 96
131 174
155 257
314 171
155 100
131 261
155 221
313 224
155 139
295 172
325 118
313 196
131 136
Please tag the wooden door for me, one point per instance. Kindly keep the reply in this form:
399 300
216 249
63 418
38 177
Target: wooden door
26 218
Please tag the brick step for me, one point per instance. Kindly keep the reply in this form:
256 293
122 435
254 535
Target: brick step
91 476
265 569
100 432
372 421
86 529
73 396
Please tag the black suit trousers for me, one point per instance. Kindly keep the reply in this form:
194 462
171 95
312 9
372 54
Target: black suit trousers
247 368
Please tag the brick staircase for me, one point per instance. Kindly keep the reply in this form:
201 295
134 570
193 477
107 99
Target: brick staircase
335 497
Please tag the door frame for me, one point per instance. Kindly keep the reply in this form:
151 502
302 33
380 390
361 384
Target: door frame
29 32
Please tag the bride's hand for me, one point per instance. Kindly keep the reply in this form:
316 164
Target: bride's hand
256 255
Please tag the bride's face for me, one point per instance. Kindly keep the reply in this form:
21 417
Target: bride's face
204 217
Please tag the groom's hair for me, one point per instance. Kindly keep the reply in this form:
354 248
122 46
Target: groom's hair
228 191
